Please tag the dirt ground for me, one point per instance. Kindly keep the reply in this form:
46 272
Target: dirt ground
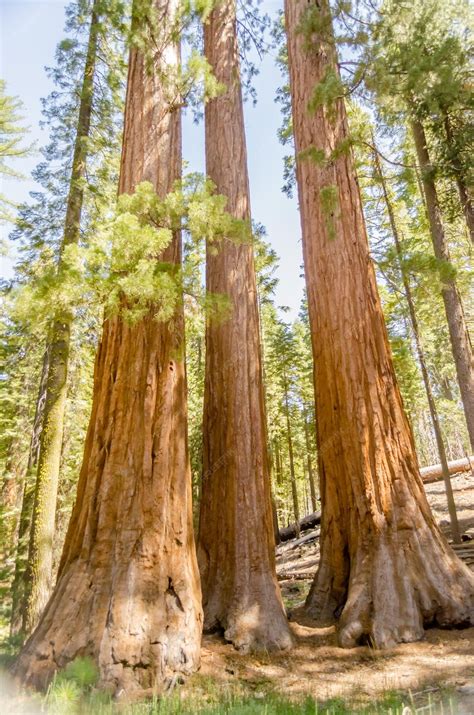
439 669
316 666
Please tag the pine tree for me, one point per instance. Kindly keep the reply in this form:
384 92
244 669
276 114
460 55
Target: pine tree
385 568
38 574
460 338
411 43
379 175
12 136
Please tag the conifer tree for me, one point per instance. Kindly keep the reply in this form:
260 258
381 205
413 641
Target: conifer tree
460 338
411 43
379 175
128 588
38 575
78 166
236 541
12 135
385 569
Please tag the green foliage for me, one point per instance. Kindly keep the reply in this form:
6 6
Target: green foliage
124 267
315 25
315 155
82 671
288 382
327 92
329 198
12 135
425 275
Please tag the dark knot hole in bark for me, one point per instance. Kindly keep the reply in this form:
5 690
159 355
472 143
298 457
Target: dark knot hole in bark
171 592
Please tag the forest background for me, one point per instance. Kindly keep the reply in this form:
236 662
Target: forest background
31 33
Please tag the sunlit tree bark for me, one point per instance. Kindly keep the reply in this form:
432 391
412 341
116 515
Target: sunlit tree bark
128 590
385 568
236 540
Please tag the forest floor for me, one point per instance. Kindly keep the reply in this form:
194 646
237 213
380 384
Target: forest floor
433 676
441 665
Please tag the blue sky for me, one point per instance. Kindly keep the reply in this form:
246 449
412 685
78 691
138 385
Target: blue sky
30 31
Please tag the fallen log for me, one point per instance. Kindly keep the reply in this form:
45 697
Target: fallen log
434 473
296 543
307 522
297 576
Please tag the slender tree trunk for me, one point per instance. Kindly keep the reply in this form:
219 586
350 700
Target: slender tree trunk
276 528
294 490
464 195
421 356
278 467
460 340
128 591
312 485
27 501
385 568
236 543
39 576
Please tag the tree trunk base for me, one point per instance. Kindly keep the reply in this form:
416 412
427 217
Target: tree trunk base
255 623
396 586
142 630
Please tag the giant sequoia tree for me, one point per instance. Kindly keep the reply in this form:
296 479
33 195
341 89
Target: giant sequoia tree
236 542
128 592
385 568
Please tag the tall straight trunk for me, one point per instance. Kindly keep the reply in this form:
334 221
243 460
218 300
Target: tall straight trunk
289 437
128 590
460 339
27 502
385 568
463 190
420 352
236 542
312 485
39 571
278 465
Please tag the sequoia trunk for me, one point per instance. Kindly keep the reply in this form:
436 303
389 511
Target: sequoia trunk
128 591
385 568
38 574
236 542
458 332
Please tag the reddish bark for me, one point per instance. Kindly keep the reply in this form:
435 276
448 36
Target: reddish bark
128 587
236 541
385 569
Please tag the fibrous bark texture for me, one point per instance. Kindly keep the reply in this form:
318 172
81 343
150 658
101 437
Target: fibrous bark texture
385 570
38 576
455 533
236 542
128 590
458 331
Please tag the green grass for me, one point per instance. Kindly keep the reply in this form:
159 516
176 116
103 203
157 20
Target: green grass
74 691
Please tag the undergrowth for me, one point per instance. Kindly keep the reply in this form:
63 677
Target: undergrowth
74 691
